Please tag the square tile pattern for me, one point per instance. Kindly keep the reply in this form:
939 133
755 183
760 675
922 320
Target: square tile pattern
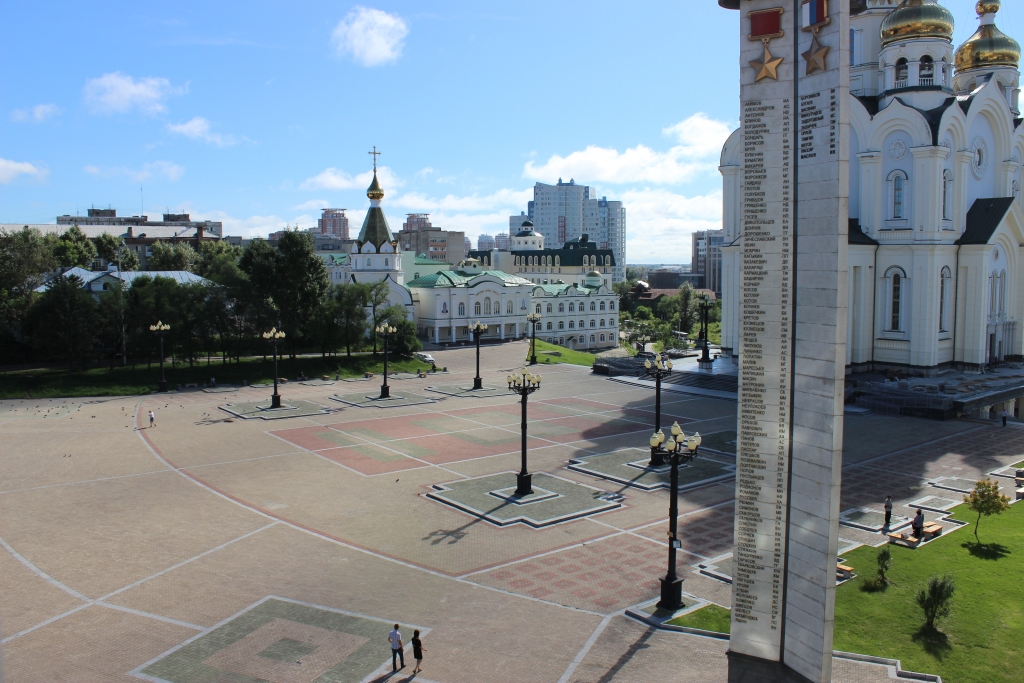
626 466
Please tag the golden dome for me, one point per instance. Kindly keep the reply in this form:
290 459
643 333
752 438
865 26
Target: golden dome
917 19
988 46
375 191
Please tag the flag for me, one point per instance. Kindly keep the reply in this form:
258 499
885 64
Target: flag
814 12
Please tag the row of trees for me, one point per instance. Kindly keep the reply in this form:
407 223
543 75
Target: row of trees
245 292
680 312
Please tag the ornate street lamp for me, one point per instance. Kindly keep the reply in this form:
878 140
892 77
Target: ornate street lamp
387 331
477 329
534 319
706 361
275 337
160 329
523 383
681 449
658 371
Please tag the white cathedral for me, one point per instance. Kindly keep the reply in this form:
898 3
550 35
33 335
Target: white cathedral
936 229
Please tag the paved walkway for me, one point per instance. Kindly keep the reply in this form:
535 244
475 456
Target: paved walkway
285 549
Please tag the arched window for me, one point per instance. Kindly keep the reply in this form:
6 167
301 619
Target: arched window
896 280
593 339
897 195
476 308
561 324
558 261
510 308
549 325
385 263
487 306
583 324
367 261
947 195
926 71
593 323
944 277
602 322
593 305
901 72
462 310
602 305
549 308
993 284
572 324
1002 292
572 307
561 308
611 305
538 308
602 337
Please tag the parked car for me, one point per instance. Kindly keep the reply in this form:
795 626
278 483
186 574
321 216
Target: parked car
425 357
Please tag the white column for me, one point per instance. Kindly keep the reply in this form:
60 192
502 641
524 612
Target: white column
437 335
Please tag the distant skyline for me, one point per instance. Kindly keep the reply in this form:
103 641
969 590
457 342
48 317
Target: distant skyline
259 115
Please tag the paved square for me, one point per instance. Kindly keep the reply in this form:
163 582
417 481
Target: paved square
373 400
261 409
629 466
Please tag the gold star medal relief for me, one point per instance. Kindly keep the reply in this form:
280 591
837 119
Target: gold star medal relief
814 15
766 24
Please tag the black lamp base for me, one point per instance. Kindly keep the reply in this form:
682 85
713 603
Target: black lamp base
385 391
524 484
671 595
163 386
275 401
478 383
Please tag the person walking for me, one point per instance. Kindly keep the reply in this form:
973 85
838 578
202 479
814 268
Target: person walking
397 648
1005 415
152 420
918 524
888 510
417 651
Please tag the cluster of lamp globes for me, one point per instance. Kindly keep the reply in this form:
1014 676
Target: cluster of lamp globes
386 329
523 378
477 327
677 440
159 327
274 334
667 365
533 317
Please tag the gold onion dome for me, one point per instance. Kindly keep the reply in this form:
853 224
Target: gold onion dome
917 19
988 46
375 191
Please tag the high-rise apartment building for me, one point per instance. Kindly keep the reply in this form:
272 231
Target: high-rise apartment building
706 258
419 236
485 243
502 242
565 211
334 222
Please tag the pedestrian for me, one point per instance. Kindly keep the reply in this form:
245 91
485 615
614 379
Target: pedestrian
397 648
417 651
1005 415
918 524
152 419
888 510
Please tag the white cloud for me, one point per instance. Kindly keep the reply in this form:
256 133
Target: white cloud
700 138
36 114
312 205
118 92
502 199
371 36
165 169
9 170
333 179
659 223
254 226
198 128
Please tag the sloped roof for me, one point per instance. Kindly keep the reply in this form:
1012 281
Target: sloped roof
421 260
983 218
856 236
182 277
375 228
453 278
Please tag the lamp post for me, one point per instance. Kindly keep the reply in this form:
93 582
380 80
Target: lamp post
274 337
160 329
658 371
477 329
387 331
681 449
705 362
523 383
534 319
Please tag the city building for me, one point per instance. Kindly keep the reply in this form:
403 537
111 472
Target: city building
566 211
706 258
485 243
528 258
935 278
334 222
468 245
502 241
138 232
447 302
420 266
577 316
420 237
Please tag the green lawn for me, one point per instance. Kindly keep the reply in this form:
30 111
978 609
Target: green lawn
980 641
710 618
56 383
715 333
567 355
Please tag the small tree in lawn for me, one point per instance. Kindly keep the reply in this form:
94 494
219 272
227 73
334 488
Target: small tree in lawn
884 560
935 599
986 500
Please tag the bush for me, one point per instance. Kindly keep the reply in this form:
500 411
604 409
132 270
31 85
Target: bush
884 560
935 599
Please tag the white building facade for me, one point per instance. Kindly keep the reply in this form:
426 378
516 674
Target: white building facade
583 316
936 223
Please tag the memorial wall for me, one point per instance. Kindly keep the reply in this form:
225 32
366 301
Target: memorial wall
794 89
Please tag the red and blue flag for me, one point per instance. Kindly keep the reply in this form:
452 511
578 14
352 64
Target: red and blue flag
815 12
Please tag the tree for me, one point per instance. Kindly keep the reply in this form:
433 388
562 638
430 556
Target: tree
624 290
167 256
404 341
351 300
63 321
634 273
109 247
884 560
936 598
300 284
643 313
259 263
986 500
218 261
377 300
72 248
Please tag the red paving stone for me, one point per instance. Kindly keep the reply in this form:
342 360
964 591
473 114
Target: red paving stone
366 464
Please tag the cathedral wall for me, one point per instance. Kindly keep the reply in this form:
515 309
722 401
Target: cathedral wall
980 139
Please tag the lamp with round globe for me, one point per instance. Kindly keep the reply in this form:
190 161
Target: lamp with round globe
275 337
478 330
523 383
533 319
657 371
387 330
160 329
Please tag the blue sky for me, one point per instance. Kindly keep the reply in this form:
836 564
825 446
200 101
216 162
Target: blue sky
260 113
